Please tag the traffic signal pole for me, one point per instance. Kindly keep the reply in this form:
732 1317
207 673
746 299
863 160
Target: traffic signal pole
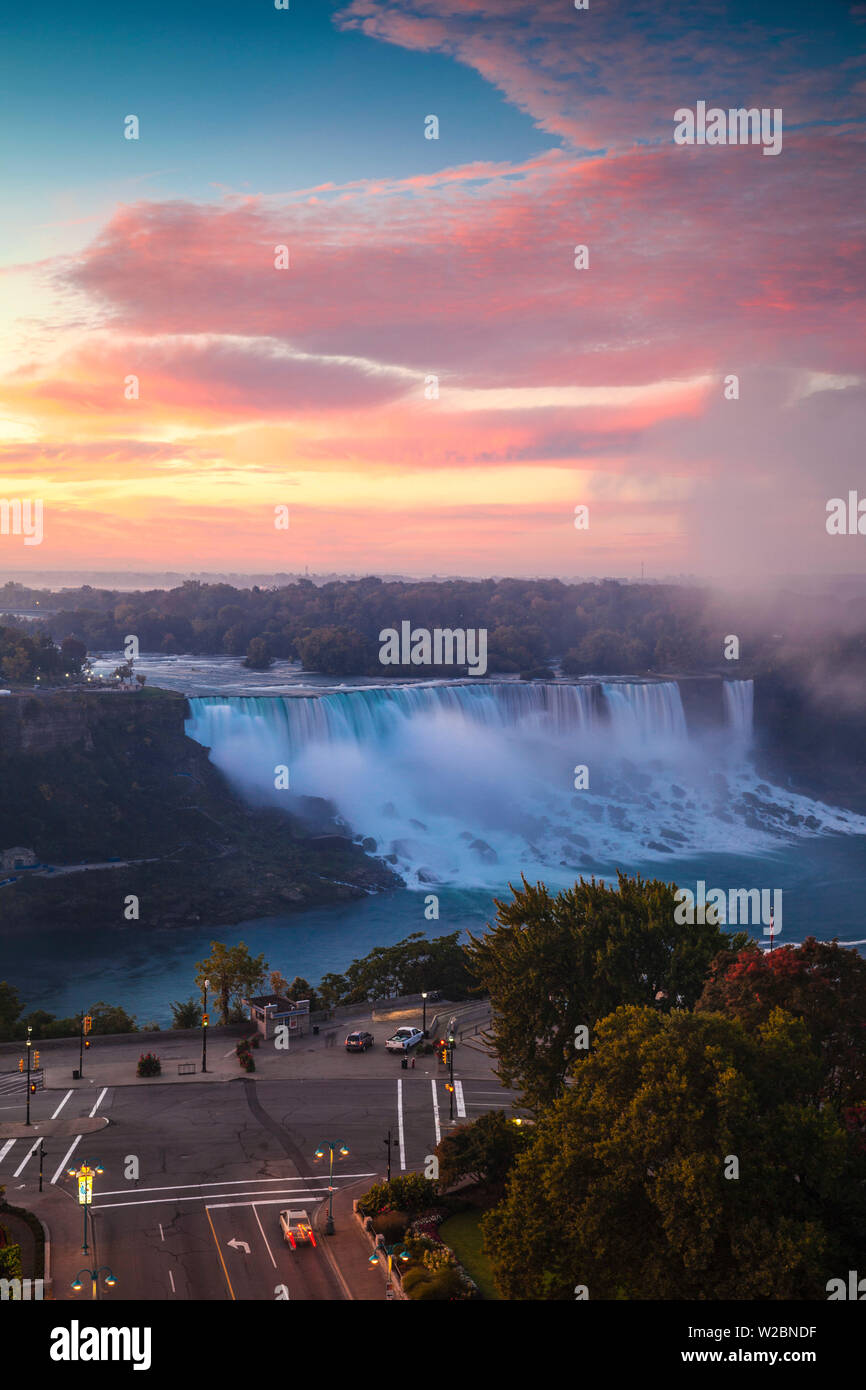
81 1046
29 1045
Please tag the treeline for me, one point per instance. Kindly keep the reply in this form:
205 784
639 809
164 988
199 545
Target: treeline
25 656
410 966
334 628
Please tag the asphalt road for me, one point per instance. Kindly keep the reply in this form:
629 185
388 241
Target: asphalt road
195 1175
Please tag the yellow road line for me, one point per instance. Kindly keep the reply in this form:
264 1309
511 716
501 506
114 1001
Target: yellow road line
220 1253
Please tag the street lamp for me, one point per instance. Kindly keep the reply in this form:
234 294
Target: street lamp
85 1176
204 1024
390 1250
29 1046
451 1067
320 1153
424 1024
93 1275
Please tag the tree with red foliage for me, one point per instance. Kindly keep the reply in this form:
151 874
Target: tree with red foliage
820 982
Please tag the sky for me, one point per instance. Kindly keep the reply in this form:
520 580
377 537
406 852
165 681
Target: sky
431 385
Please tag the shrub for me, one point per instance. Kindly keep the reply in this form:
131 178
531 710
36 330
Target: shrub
149 1065
392 1225
409 1192
248 1063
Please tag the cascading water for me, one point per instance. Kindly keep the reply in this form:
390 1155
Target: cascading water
473 783
739 699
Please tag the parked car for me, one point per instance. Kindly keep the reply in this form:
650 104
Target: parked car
359 1042
296 1228
433 996
403 1039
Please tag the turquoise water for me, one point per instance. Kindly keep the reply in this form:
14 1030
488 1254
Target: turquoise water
822 880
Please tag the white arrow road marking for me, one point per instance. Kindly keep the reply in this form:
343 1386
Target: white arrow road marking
458 1096
238 1245
400 1124
436 1112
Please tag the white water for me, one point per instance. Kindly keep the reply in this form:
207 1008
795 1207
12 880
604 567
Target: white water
472 784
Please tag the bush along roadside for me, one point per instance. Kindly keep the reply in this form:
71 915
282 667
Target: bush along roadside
432 1271
149 1065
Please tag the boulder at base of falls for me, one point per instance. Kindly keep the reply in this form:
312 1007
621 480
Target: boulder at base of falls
418 824
368 844
484 851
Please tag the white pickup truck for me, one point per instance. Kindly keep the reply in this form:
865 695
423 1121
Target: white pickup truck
297 1229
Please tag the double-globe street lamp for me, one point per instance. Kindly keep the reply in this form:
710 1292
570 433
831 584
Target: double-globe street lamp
93 1275
320 1153
85 1175
390 1250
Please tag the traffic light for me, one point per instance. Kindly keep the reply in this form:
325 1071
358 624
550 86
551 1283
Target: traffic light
448 1086
32 1088
36 1059
86 1042
87 1022
20 1063
205 1020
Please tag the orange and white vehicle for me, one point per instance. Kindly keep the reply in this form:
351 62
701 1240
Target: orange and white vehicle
297 1228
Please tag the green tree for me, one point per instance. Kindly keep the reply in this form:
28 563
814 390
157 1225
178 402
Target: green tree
628 1186
111 1018
10 1262
186 1014
484 1150
258 657
819 981
233 974
553 964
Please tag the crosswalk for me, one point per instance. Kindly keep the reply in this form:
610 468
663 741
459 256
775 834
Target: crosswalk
22 1157
14 1083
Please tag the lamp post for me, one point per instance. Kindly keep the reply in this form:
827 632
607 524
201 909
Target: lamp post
93 1275
29 1046
389 1250
451 1069
204 1024
320 1153
85 1176
424 1024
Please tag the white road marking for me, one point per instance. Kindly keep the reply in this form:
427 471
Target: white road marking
28 1155
61 1105
161 1232
6 1147
99 1101
264 1237
400 1124
458 1096
289 1195
171 1280
233 1182
436 1112
63 1162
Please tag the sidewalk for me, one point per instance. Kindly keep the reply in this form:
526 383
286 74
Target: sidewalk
348 1248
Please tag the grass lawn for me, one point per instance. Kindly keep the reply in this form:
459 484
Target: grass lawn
463 1234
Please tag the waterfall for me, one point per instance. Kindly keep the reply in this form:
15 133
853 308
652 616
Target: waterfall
647 711
473 783
739 709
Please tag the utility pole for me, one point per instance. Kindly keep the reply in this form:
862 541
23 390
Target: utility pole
41 1157
387 1143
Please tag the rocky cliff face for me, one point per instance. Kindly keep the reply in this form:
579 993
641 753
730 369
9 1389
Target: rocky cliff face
91 777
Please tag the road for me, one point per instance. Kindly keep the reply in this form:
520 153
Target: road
195 1175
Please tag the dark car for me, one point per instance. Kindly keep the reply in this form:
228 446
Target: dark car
359 1042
